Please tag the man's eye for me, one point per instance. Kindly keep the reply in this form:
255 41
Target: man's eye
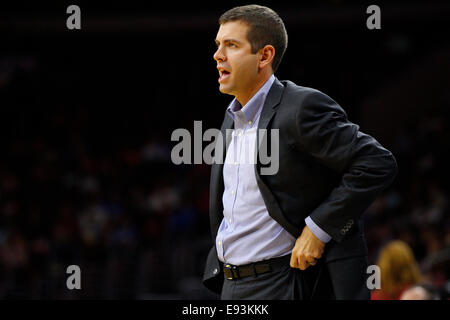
231 45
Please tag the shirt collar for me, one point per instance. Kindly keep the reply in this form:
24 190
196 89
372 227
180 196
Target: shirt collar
251 108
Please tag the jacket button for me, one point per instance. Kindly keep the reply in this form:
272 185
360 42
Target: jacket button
342 231
215 271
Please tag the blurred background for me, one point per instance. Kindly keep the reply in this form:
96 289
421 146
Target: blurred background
86 118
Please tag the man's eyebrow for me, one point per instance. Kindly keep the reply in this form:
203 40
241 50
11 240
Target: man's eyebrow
228 41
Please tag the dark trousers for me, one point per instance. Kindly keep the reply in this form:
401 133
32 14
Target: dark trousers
339 279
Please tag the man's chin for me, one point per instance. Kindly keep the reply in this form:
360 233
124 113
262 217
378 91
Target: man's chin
224 89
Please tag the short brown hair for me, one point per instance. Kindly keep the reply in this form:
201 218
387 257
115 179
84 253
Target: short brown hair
265 27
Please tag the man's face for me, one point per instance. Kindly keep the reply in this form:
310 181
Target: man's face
238 67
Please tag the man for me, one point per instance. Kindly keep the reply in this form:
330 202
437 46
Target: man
296 233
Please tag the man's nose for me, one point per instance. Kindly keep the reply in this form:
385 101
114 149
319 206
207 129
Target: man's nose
219 56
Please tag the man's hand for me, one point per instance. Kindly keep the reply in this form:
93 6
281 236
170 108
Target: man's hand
307 249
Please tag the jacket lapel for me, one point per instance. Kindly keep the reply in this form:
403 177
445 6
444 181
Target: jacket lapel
272 101
270 107
268 111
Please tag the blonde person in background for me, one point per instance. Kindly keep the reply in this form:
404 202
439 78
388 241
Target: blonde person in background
399 271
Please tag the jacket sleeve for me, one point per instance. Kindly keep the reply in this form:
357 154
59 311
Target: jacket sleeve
365 166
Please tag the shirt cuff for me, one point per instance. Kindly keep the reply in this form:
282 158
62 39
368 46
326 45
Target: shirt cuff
318 232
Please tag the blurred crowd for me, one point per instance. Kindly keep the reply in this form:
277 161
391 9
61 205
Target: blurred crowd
92 187
408 226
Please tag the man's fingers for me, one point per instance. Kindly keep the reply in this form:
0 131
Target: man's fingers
294 261
313 263
307 262
317 254
302 263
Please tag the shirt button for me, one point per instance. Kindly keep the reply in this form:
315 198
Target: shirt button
229 221
240 134
250 122
232 191
219 243
235 163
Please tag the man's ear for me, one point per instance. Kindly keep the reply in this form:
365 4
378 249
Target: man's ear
267 54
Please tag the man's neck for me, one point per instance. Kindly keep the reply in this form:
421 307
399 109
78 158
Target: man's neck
243 99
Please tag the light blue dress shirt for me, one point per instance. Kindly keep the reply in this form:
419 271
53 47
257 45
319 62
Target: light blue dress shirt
247 233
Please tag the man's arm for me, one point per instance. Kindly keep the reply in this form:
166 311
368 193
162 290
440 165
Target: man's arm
365 166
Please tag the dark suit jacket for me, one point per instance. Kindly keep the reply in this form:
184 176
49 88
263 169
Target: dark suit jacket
328 170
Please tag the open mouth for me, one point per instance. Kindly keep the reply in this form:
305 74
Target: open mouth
223 74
